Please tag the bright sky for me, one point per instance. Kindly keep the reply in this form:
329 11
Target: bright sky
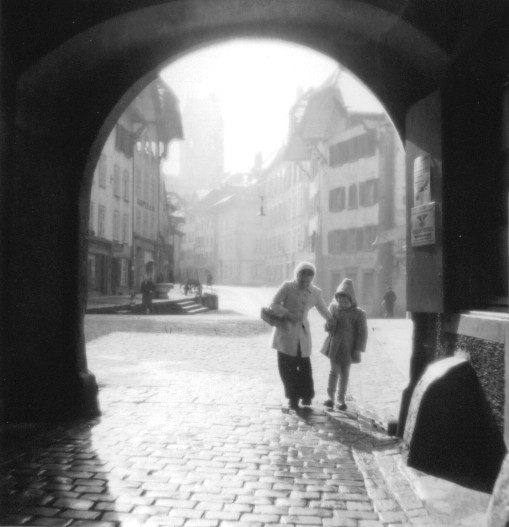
256 82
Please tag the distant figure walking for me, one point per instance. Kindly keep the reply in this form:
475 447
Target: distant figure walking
388 302
147 292
209 279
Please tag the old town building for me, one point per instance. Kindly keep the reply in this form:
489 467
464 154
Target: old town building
286 188
130 230
225 235
354 164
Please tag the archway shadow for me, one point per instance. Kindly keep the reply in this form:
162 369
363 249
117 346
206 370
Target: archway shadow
53 473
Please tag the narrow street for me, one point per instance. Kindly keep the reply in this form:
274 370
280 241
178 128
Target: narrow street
193 434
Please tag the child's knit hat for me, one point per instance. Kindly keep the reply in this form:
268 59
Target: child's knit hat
346 288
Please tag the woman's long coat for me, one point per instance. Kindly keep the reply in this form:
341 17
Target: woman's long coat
289 335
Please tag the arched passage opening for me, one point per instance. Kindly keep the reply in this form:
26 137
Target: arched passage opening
59 132
66 86
368 190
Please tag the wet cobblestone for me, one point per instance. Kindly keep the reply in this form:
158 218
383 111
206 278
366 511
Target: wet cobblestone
193 434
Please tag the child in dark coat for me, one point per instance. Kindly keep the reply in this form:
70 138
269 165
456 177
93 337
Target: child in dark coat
348 334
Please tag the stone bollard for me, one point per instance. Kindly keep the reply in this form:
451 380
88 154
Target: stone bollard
450 431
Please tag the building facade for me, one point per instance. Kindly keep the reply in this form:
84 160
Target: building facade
224 235
338 200
240 237
363 211
130 230
334 195
286 190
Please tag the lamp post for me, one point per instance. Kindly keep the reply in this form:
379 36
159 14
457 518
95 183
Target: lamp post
261 212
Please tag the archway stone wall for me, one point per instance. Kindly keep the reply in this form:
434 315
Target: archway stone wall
66 73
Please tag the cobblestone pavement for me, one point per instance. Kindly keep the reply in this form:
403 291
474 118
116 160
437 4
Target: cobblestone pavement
193 434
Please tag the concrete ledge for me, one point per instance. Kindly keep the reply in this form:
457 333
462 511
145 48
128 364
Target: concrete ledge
478 324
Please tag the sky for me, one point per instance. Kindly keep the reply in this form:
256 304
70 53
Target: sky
256 82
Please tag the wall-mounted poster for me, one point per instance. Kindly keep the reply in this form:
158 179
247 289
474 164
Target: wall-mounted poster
422 180
422 225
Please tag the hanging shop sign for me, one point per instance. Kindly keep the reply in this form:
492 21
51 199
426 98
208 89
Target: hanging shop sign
422 225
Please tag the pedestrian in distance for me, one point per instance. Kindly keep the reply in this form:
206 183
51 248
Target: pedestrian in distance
348 334
388 302
147 292
292 335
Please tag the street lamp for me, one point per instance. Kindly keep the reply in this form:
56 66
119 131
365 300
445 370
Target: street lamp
262 212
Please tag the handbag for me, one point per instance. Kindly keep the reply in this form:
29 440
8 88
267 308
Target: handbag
268 315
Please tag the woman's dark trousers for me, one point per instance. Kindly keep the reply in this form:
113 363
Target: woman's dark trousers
297 376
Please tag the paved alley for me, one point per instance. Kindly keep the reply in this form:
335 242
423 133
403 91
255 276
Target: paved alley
193 434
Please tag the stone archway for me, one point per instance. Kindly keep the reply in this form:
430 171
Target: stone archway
67 100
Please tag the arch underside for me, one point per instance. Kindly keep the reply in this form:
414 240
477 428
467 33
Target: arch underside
73 67
95 68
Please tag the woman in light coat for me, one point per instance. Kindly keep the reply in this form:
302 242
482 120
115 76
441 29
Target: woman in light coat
292 337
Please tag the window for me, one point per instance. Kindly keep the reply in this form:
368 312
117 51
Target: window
369 193
352 149
101 216
125 228
352 197
125 185
102 171
116 181
146 184
139 182
337 241
333 242
116 225
124 140
360 239
343 241
337 199
352 240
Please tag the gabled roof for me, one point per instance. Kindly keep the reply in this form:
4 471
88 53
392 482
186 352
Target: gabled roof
320 113
315 114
